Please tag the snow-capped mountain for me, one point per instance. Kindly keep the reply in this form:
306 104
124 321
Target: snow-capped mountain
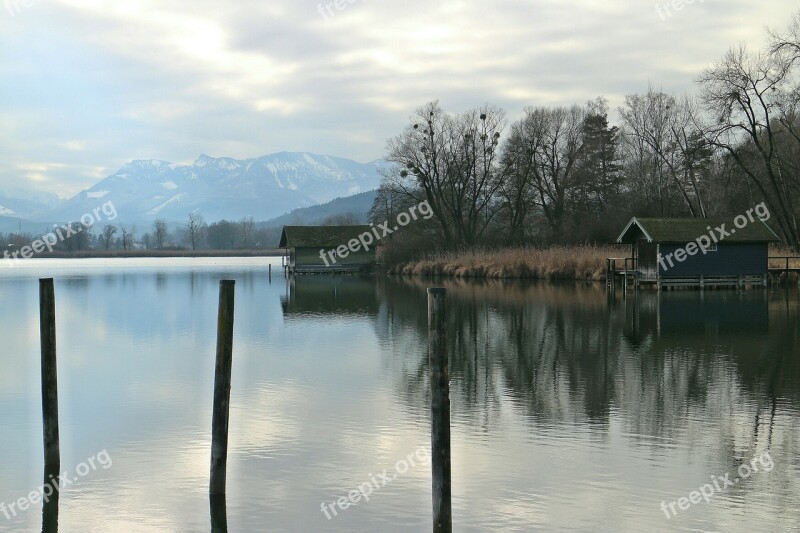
219 188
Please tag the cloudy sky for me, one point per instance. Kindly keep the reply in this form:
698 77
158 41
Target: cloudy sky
87 85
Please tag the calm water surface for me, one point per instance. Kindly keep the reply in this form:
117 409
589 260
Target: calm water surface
572 411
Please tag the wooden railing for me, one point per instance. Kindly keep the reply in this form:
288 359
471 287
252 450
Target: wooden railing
626 266
629 265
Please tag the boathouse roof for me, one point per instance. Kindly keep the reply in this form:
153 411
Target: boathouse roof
683 230
320 236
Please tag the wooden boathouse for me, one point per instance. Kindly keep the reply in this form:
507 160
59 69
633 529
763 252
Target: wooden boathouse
693 252
326 249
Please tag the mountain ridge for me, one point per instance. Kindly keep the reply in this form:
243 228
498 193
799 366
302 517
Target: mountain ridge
218 188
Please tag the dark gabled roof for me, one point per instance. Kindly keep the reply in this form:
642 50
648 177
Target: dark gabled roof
320 236
683 230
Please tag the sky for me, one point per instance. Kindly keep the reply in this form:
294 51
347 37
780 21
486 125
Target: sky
88 85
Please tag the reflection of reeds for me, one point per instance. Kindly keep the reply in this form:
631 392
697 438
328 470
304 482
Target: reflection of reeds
557 262
517 293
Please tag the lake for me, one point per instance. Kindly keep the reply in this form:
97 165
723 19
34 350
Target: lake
572 409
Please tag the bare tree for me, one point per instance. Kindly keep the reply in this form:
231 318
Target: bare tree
160 232
195 230
516 192
756 125
222 235
128 236
248 228
450 161
388 204
107 237
76 237
787 44
543 153
668 130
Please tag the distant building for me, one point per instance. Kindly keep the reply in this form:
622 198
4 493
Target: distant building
319 249
692 251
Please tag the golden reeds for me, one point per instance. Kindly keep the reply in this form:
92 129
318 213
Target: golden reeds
580 262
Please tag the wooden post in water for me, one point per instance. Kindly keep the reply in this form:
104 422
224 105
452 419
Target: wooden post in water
219 514
787 271
47 328
222 388
50 503
440 410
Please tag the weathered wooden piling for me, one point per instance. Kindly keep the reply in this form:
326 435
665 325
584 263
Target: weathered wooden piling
47 327
219 513
222 388
50 500
787 271
440 410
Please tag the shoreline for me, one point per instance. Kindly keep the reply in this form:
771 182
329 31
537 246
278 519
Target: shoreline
123 254
582 263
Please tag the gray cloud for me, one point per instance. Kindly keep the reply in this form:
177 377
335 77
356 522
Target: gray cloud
89 85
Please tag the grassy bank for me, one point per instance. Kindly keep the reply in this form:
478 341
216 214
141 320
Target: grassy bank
552 263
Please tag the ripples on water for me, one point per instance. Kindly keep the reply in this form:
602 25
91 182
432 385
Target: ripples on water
572 410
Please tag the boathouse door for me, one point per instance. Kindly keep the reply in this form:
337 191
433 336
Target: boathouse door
647 259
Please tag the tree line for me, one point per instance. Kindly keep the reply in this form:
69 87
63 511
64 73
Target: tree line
566 174
195 234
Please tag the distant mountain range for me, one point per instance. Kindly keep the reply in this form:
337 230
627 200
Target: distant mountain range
357 205
216 188
25 208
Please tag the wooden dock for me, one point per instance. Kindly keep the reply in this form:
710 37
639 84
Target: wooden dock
625 271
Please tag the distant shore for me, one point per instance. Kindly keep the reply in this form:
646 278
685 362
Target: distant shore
100 254
577 262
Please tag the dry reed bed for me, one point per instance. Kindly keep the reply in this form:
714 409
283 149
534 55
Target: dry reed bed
553 263
782 251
